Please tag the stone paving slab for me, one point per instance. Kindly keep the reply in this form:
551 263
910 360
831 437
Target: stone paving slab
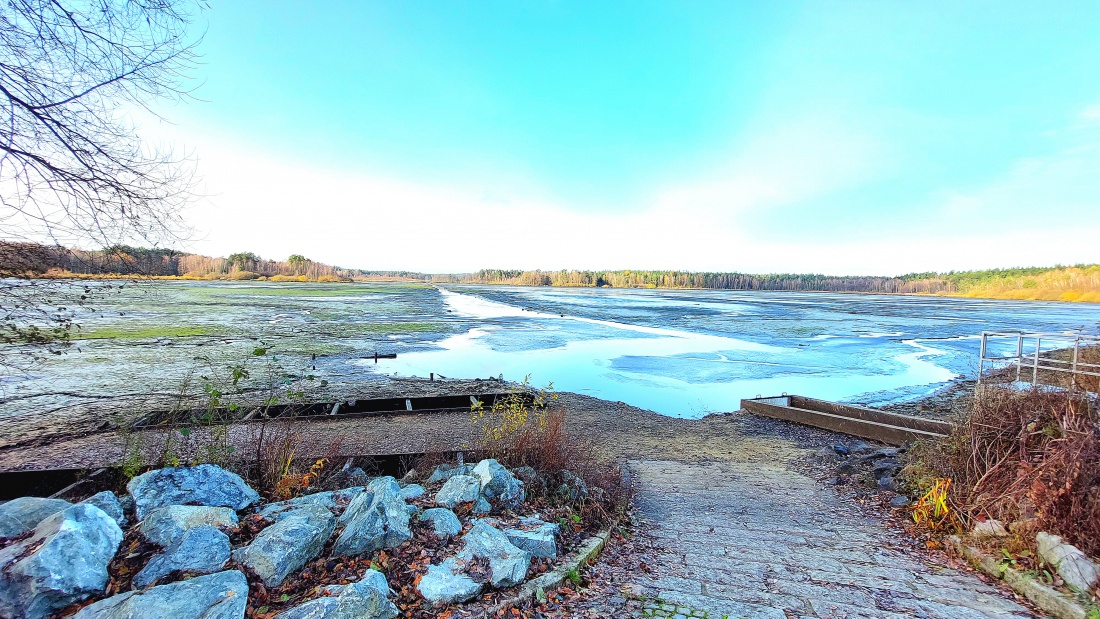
749 540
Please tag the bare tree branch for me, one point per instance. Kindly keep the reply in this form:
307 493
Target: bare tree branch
73 169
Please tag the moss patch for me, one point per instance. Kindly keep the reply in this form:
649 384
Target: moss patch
325 290
138 333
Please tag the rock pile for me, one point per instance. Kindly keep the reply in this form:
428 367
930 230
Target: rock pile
55 555
866 465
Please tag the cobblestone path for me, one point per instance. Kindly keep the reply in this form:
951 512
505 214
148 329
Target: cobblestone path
753 540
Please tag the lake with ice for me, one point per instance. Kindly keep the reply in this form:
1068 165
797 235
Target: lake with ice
684 353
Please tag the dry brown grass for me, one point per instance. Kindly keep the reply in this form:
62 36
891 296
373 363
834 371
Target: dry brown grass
542 439
275 462
1031 458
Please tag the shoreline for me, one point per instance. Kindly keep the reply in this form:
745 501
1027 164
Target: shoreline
389 280
621 429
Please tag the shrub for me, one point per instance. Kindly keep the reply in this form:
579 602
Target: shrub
527 428
1026 457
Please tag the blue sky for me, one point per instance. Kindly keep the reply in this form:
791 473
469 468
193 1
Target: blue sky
839 137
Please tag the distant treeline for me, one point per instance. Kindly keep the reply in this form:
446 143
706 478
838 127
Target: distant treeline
1076 283
1059 283
28 259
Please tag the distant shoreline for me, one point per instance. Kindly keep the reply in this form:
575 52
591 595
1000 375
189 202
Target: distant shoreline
1012 294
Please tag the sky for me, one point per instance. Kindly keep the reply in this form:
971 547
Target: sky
831 137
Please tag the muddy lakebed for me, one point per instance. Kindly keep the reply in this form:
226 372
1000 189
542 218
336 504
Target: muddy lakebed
682 353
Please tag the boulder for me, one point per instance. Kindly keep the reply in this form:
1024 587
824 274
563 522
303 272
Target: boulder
281 549
900 501
443 472
412 491
859 447
108 502
533 481
1073 565
507 564
886 467
841 450
376 579
887 484
498 484
459 489
165 525
332 500
444 584
201 550
216 596
846 467
366 599
989 528
205 484
482 506
572 487
356 477
63 561
536 537
444 522
376 519
18 516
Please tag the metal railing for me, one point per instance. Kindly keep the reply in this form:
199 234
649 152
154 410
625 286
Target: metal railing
1029 355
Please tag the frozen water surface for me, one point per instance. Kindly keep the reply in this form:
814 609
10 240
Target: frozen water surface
688 353
681 353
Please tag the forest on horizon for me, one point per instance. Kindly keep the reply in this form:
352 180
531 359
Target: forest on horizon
1058 283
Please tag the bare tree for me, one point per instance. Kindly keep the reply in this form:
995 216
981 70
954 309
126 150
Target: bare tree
73 169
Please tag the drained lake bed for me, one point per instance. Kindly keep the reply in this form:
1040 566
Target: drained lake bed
682 353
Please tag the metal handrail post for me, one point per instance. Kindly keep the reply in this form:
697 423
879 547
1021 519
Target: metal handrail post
1019 355
981 356
1035 368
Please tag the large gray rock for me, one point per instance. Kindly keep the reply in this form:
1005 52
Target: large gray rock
108 502
376 579
536 537
62 562
444 522
498 484
533 481
412 491
376 519
281 549
482 506
332 500
202 550
507 563
366 599
204 484
216 596
1073 565
443 472
445 584
18 516
459 489
989 528
165 525
572 487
